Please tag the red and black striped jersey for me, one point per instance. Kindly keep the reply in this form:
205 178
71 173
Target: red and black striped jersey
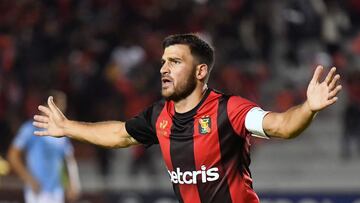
206 150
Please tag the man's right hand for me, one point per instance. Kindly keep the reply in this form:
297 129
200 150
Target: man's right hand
52 121
34 186
111 134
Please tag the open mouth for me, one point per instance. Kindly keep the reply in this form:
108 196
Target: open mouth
166 81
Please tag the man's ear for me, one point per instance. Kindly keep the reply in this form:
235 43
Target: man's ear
202 71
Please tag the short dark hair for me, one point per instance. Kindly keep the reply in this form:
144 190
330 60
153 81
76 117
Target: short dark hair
200 49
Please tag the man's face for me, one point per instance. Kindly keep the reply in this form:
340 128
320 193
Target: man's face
178 78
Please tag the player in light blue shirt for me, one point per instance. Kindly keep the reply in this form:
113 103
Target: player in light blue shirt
44 162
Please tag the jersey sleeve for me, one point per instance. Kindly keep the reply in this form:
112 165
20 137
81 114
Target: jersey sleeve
141 128
24 136
68 148
238 108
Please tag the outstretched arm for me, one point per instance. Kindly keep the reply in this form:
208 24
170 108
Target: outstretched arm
18 165
319 94
107 134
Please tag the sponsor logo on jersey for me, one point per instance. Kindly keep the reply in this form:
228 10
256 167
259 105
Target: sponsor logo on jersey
205 125
193 177
163 124
162 128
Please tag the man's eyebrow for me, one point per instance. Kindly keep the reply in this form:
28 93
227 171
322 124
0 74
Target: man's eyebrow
172 59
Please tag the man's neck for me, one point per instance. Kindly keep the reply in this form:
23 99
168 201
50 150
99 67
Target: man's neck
191 101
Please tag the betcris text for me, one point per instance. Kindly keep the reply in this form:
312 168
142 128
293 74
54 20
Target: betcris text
193 177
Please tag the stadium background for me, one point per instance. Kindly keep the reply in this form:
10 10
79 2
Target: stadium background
105 55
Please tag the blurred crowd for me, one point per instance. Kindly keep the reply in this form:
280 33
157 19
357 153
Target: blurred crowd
105 54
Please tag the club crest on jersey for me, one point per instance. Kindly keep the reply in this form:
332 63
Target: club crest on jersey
205 125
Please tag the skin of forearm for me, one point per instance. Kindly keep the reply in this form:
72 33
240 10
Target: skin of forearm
17 164
292 122
73 174
110 134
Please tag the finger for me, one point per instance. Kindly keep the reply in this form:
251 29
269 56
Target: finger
43 119
40 124
330 75
334 81
334 92
45 110
317 74
41 133
53 106
332 101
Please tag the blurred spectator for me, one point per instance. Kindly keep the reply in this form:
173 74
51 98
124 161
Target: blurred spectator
6 137
7 53
285 99
4 167
42 169
303 18
335 22
353 8
142 161
108 108
351 132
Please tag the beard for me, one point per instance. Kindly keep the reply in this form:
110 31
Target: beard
183 89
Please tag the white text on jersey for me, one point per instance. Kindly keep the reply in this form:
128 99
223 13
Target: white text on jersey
191 177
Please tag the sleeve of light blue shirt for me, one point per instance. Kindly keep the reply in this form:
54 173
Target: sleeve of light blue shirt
24 135
68 149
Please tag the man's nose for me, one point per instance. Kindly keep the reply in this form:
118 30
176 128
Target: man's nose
164 68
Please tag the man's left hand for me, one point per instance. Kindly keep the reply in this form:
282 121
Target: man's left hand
323 94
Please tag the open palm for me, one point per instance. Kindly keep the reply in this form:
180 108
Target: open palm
51 122
322 94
